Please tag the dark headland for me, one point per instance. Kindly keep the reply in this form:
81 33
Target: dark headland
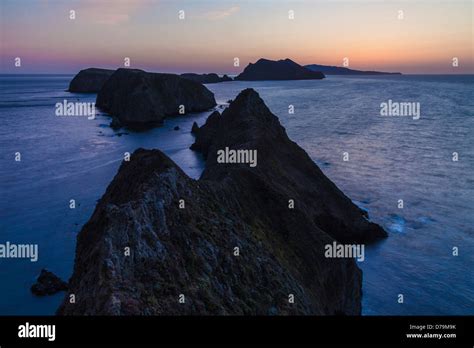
89 80
337 70
182 234
285 69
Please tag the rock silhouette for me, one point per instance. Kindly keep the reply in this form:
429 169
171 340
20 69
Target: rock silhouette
140 100
89 80
286 69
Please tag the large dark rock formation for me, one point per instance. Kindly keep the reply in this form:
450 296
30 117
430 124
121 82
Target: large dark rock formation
248 123
206 78
337 70
286 69
89 80
48 284
190 249
138 99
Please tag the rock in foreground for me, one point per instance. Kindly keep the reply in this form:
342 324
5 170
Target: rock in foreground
206 78
48 284
89 80
287 69
161 243
138 99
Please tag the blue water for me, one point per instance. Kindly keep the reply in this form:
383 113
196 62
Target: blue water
390 158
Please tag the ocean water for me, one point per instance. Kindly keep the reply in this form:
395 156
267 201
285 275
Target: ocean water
390 158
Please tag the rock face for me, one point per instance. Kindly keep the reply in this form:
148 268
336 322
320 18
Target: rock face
48 284
227 243
138 99
206 78
248 123
89 80
337 70
287 69
206 133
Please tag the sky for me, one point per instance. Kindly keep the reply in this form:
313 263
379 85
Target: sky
409 36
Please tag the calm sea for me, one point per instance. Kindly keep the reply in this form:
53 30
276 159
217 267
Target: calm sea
390 159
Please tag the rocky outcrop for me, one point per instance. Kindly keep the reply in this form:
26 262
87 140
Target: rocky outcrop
89 80
138 99
286 69
48 284
338 70
194 128
207 133
206 78
161 243
248 123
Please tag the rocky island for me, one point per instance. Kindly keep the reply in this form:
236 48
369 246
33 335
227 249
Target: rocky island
241 240
89 80
138 99
286 69
206 78
338 70
48 283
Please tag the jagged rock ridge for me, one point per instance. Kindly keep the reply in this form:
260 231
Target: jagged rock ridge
191 250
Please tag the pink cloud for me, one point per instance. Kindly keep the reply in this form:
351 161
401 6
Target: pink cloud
109 12
221 14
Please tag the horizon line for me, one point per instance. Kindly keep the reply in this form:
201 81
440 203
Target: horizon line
233 74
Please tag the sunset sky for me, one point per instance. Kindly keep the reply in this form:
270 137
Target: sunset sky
213 33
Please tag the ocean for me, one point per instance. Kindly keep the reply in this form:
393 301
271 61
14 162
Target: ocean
388 159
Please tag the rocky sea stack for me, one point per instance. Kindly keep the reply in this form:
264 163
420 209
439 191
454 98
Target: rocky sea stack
231 242
138 99
286 69
48 284
89 80
206 78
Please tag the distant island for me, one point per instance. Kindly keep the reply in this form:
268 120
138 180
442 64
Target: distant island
286 69
162 95
206 78
89 80
337 70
